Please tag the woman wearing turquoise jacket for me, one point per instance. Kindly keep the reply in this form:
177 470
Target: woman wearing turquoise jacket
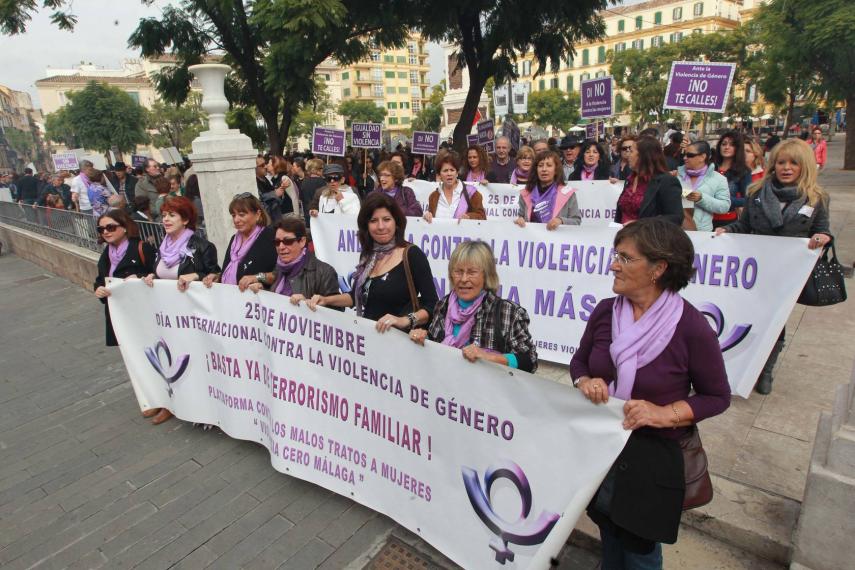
706 188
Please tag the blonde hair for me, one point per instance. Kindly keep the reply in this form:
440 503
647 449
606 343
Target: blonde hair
758 153
525 152
479 254
315 166
799 152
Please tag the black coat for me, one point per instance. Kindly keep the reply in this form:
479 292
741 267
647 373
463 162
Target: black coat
261 257
131 264
316 278
130 185
202 262
663 198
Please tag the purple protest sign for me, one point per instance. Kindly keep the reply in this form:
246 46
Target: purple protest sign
597 98
64 161
425 142
366 135
138 160
591 131
699 86
487 135
601 129
471 140
328 141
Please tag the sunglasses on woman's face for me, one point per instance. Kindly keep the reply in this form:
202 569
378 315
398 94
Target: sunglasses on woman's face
626 148
332 178
108 228
285 241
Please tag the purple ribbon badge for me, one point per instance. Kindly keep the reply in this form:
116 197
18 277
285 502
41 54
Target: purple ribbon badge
736 335
159 353
521 531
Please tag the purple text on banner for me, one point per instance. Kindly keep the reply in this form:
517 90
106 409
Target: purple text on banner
591 131
328 141
597 98
699 86
486 131
65 161
366 135
138 160
471 140
425 142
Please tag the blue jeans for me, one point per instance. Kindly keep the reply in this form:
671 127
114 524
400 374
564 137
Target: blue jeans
616 557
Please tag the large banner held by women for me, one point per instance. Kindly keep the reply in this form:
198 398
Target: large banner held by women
490 465
746 285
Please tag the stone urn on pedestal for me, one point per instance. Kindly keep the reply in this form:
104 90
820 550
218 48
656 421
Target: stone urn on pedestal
223 158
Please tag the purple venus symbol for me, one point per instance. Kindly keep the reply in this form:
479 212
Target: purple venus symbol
734 337
160 358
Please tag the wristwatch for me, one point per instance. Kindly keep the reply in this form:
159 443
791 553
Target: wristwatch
261 277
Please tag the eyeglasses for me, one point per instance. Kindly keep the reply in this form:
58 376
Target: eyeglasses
693 154
332 178
626 148
286 241
623 259
108 228
470 273
242 195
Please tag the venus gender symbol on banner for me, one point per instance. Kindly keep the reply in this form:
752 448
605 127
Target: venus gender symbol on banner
596 98
699 86
328 141
425 142
366 135
64 161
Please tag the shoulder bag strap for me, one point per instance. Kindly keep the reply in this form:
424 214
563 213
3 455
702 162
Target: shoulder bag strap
467 198
414 298
140 251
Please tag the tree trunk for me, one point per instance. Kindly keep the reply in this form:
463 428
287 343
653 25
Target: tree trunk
849 149
467 115
285 126
789 119
274 141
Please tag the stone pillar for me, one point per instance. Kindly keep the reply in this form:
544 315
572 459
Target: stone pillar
223 158
826 527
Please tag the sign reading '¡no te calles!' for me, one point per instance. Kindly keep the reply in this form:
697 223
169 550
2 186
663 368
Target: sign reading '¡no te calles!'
699 86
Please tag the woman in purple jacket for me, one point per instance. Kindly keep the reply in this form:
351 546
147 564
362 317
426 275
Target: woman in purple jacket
651 348
391 177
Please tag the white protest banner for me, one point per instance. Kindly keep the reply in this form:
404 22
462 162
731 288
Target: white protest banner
64 161
597 199
746 285
447 448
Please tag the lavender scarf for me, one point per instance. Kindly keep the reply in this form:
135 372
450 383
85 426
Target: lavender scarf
697 174
236 254
519 176
463 205
636 344
457 315
588 172
288 270
471 177
364 269
543 203
393 192
174 250
116 254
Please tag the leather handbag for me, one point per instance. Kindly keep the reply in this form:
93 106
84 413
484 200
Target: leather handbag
411 287
699 489
826 285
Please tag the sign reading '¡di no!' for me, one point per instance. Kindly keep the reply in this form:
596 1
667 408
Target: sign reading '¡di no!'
699 86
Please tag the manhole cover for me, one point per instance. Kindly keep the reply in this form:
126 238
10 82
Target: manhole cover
397 555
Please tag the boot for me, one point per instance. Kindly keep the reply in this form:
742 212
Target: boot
764 383
161 417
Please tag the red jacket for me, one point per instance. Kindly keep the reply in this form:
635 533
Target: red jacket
820 152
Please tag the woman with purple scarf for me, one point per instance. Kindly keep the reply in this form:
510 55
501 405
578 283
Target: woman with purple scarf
475 319
702 185
298 272
250 255
592 163
453 199
545 198
391 176
654 350
524 161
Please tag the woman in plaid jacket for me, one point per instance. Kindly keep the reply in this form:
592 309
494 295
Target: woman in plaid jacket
474 319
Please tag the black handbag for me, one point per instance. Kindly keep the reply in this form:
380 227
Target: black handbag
825 286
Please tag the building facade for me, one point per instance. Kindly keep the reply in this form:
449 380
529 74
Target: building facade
21 140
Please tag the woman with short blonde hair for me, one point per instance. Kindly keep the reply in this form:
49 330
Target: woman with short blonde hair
524 161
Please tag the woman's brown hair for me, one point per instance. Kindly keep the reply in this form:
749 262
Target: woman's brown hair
123 219
651 159
534 179
373 202
246 202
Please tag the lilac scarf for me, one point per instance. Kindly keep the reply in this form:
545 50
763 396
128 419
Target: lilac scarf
287 271
471 177
116 254
543 203
588 172
463 205
519 176
636 344
174 250
697 174
364 269
393 192
236 254
457 315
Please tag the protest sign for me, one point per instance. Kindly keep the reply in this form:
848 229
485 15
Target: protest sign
699 86
560 276
138 160
366 135
596 98
601 129
487 135
591 131
425 142
330 142
471 140
416 433
65 161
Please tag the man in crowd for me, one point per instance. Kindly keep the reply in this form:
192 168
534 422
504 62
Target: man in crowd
145 185
569 152
122 182
261 181
28 188
502 167
540 145
79 192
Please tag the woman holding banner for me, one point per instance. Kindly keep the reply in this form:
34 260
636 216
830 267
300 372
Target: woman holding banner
788 202
477 165
651 348
453 199
545 199
524 161
393 283
592 162
703 186
391 177
474 319
649 191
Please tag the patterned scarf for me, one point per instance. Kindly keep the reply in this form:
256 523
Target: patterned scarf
465 317
365 267
543 203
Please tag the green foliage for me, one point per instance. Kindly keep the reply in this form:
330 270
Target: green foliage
177 125
16 14
554 107
361 112
58 128
430 117
312 114
100 117
245 119
22 142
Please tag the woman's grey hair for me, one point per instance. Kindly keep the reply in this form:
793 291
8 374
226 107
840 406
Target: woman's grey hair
479 254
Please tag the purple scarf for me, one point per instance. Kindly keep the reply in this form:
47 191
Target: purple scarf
543 203
463 205
173 250
457 315
470 177
636 344
288 270
364 269
519 175
588 172
697 174
116 254
236 254
393 192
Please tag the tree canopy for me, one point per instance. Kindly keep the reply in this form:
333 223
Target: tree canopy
555 108
177 125
16 14
355 111
430 116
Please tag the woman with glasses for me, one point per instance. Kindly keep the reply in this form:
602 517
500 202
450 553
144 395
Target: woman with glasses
524 161
298 272
393 283
453 198
475 319
656 352
592 162
703 186
391 177
620 168
250 255
335 197
730 161
649 191
546 199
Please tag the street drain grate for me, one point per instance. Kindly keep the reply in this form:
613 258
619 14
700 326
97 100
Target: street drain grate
397 555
